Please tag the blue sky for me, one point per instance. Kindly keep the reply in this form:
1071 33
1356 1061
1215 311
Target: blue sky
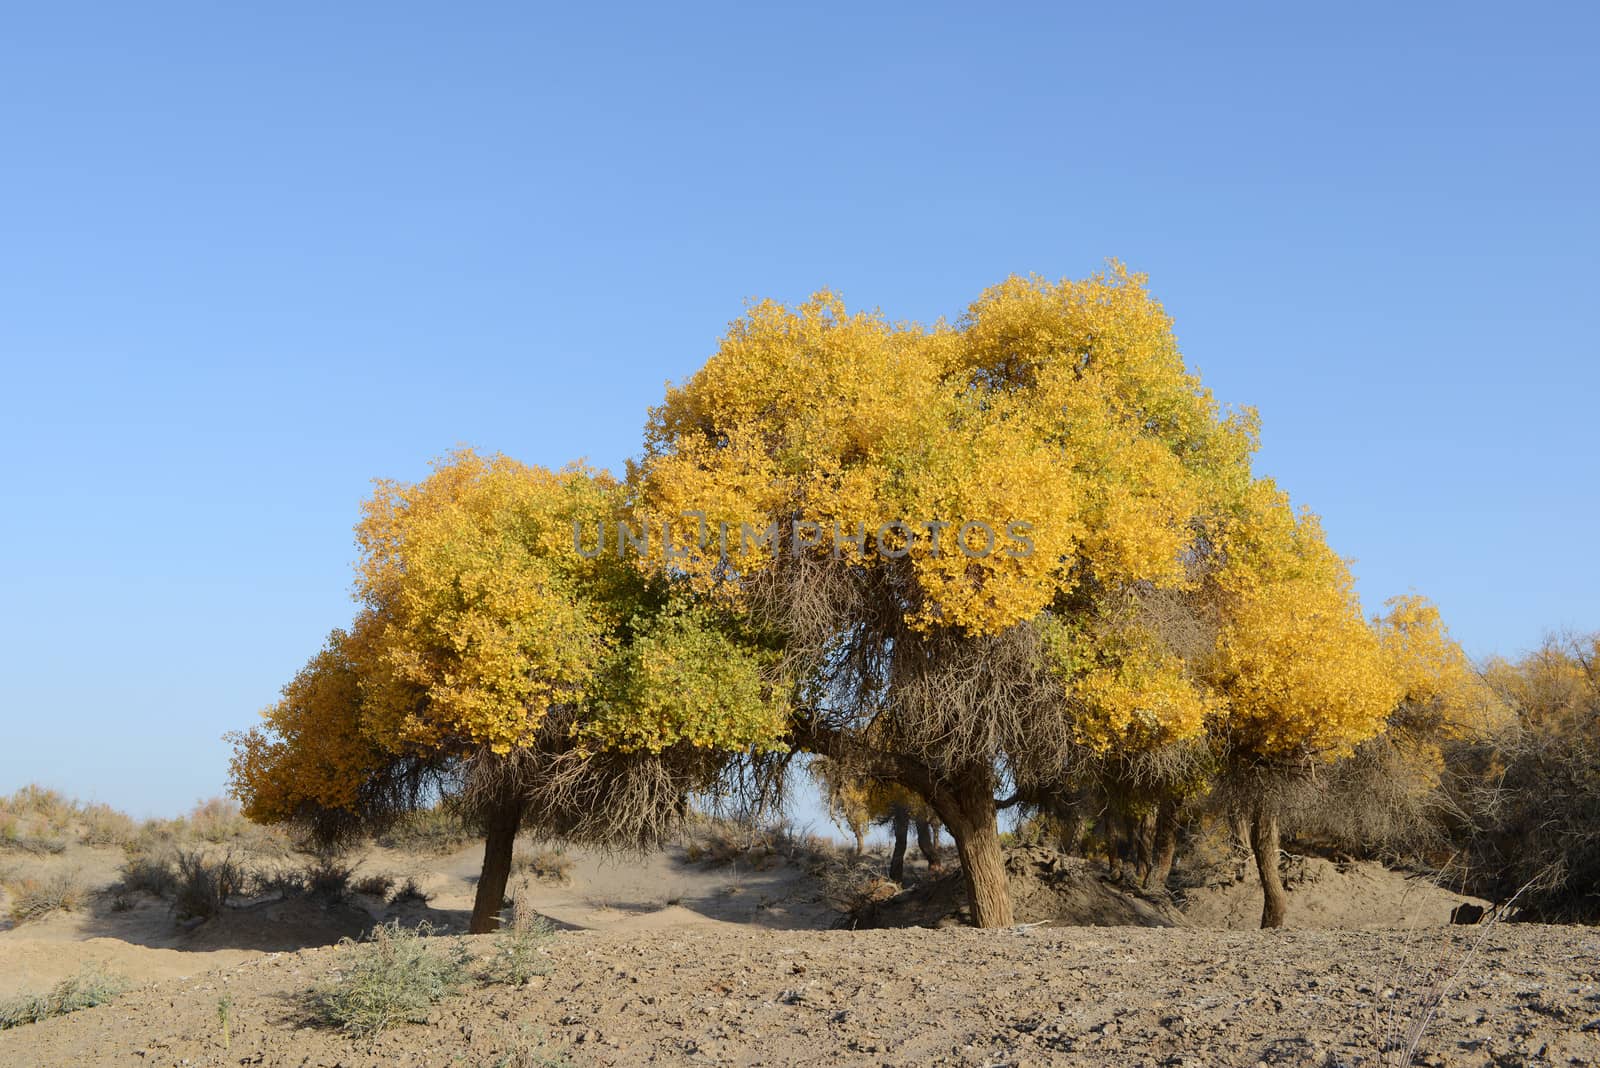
251 260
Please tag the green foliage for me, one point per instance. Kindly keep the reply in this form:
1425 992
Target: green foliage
393 977
225 1019
88 988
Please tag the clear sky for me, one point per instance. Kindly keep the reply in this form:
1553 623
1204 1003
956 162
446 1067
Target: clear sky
251 260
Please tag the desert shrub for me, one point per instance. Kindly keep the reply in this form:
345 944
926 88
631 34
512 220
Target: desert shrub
105 826
376 885
518 956
10 828
218 820
51 808
205 883
1527 798
551 865
328 875
34 898
410 892
851 885
717 842
157 835
88 988
393 977
37 844
438 830
152 873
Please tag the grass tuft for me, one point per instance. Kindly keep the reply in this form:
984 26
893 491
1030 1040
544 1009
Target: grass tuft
518 954
85 990
532 1053
394 977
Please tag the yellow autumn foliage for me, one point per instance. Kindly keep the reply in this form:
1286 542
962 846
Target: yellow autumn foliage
1299 670
481 617
1442 694
1060 412
858 801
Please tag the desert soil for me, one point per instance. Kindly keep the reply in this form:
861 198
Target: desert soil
659 961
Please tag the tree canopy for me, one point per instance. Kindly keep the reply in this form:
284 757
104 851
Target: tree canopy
1002 555
492 660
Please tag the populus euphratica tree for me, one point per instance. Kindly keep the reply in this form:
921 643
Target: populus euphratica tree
913 508
542 686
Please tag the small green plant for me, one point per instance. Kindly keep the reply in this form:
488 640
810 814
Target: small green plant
225 1019
85 990
393 977
32 899
532 1053
518 956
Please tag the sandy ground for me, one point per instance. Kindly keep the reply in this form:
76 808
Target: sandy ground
722 994
660 961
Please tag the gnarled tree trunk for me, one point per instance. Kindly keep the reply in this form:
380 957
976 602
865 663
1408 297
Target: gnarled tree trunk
929 848
1166 846
1071 835
500 838
902 829
1144 847
968 811
1113 844
1264 842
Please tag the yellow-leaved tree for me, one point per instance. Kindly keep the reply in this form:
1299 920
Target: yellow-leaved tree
908 507
1300 676
492 660
858 801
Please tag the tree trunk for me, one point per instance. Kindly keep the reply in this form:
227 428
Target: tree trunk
1144 846
1166 847
1113 845
861 841
1072 828
500 837
929 848
968 811
1264 841
897 859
